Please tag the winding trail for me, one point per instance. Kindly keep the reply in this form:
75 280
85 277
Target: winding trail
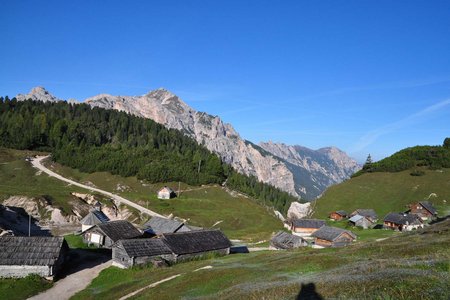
37 163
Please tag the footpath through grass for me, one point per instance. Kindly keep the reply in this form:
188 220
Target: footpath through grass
18 177
406 266
239 217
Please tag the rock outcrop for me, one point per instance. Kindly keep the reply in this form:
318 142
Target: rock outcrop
299 210
38 94
297 170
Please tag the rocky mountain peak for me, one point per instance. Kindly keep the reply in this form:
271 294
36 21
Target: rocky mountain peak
38 93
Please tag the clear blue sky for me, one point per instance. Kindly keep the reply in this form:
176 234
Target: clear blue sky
365 76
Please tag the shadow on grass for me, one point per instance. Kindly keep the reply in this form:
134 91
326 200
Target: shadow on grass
80 259
308 292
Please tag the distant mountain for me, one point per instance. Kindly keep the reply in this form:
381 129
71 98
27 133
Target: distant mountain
294 169
313 170
38 93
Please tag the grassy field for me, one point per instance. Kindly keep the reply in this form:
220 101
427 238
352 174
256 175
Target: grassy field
387 192
22 288
239 217
18 177
405 266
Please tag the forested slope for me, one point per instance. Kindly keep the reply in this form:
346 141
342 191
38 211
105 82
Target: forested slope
96 139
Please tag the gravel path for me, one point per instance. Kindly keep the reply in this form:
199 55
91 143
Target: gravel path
37 163
71 284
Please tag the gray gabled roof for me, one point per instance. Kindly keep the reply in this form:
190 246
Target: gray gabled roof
308 223
30 251
329 233
159 225
284 240
370 213
144 247
117 230
428 206
341 212
402 219
94 217
196 241
355 218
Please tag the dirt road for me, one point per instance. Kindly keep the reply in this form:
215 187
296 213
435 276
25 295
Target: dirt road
37 163
84 269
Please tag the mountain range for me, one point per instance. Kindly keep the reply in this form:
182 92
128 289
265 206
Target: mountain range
298 170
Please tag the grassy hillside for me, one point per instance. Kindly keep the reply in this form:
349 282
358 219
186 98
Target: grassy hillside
17 177
240 217
407 266
386 192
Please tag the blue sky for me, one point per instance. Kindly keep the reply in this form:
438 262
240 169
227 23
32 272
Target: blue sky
365 76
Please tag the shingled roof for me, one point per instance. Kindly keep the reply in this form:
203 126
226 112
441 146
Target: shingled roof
144 247
308 223
284 240
341 213
403 219
118 230
30 251
428 206
370 213
94 217
331 233
196 241
159 225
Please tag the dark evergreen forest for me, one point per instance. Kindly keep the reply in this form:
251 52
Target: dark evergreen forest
96 139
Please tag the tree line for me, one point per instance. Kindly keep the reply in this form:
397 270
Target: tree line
94 139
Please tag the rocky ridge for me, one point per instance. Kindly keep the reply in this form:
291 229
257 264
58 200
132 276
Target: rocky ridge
294 169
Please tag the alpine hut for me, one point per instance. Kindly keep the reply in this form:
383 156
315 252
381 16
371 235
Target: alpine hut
361 221
338 215
158 226
185 245
106 234
368 213
166 193
423 209
333 237
128 253
93 218
284 240
402 222
306 226
22 256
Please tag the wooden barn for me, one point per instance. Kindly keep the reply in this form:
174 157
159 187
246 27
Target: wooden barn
402 222
106 234
361 221
283 240
338 215
158 226
186 245
94 217
166 193
128 253
306 226
22 256
423 209
333 237
368 213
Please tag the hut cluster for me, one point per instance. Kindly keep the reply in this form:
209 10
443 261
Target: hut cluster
415 217
315 232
